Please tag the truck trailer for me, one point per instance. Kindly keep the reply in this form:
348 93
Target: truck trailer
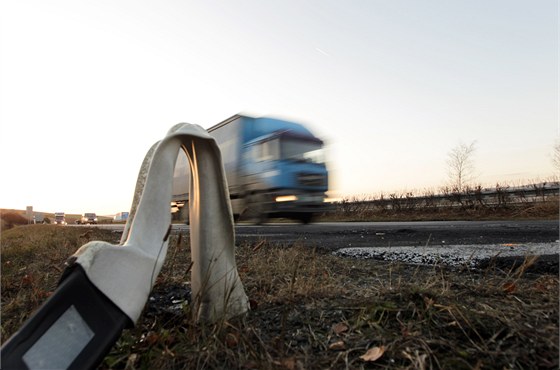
274 168
121 216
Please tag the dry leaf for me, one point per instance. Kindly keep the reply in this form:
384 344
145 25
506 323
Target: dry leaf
373 354
429 302
42 294
509 287
253 304
131 361
337 346
232 340
27 280
251 365
340 328
287 363
258 246
151 338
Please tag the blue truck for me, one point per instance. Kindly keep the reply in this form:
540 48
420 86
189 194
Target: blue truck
274 168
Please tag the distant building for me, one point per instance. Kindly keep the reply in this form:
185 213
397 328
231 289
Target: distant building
34 217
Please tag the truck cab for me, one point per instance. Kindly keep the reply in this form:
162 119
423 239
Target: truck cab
59 218
285 175
88 219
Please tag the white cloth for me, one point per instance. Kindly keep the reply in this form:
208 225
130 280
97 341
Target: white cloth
126 273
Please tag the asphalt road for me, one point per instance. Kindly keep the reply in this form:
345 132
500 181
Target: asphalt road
382 234
450 242
336 235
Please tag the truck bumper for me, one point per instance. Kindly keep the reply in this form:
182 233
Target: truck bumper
291 204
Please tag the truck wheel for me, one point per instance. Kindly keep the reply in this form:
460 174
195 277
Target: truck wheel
305 217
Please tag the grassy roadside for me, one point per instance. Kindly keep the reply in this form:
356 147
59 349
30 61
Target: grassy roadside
310 310
361 211
22 217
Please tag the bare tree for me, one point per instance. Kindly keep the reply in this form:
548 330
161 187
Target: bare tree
556 157
460 165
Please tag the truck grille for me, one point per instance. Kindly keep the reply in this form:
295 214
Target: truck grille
308 179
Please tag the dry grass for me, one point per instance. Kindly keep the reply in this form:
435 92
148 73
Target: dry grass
33 258
311 310
364 210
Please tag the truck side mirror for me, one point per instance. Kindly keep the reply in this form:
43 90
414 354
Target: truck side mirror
105 286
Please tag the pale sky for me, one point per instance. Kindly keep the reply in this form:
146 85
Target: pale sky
86 87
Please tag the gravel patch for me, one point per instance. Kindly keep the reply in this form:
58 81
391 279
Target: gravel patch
452 255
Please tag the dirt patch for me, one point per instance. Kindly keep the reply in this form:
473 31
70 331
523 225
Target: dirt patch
544 264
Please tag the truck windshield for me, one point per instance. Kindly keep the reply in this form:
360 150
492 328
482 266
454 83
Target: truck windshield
302 151
267 151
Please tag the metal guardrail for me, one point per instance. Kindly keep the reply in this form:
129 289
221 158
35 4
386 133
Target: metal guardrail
510 196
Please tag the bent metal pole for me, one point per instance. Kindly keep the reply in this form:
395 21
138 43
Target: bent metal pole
105 286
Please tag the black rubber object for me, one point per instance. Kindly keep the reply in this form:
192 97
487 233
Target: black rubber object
101 315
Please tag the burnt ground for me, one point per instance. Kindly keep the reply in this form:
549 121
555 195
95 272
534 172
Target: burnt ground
545 264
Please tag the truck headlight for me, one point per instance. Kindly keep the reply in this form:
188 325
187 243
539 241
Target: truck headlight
286 198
